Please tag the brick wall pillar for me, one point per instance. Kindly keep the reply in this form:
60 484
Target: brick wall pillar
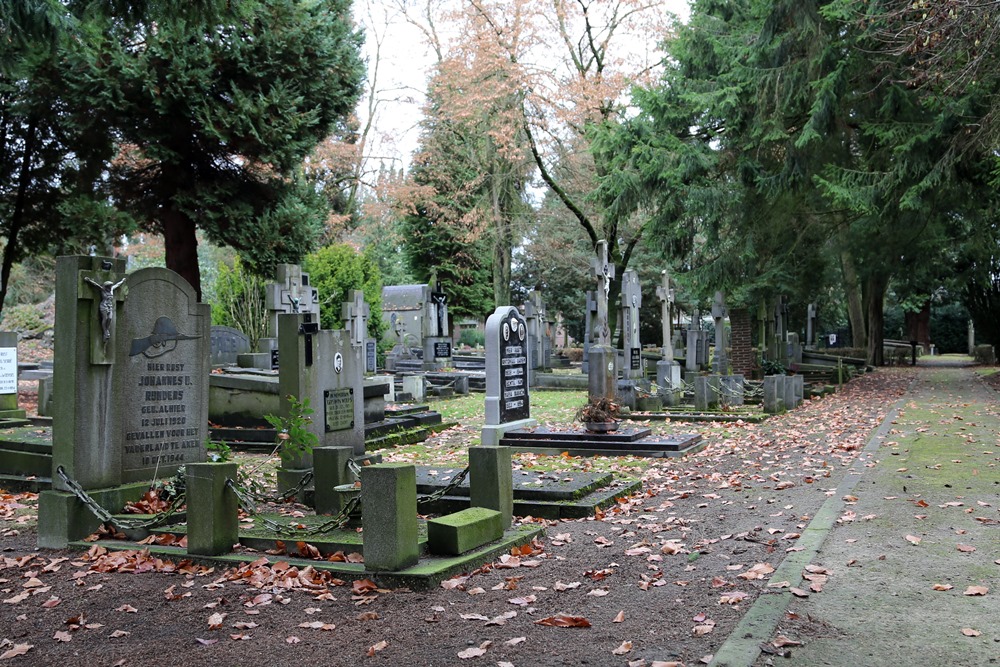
741 343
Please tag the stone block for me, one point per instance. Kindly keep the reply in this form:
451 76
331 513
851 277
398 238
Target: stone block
213 509
463 531
414 386
774 394
491 484
389 516
732 392
330 470
253 360
62 518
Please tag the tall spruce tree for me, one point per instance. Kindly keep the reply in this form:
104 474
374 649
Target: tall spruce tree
214 117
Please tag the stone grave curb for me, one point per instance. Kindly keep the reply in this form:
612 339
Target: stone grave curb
427 573
550 509
752 418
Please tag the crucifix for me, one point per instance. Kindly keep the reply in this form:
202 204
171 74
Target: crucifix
355 314
666 296
105 293
604 272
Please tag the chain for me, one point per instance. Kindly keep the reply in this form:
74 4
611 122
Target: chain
247 503
442 492
290 493
107 517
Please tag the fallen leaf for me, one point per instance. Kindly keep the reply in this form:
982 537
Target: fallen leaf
942 587
799 593
18 649
215 620
292 640
206 642
969 632
782 641
625 647
966 548
564 621
375 648
976 590
515 641
473 652
119 633
912 539
62 636
620 617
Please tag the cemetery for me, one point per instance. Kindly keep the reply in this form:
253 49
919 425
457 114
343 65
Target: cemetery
480 333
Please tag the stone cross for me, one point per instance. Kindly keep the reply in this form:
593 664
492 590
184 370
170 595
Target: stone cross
355 314
604 272
631 302
666 297
719 312
290 293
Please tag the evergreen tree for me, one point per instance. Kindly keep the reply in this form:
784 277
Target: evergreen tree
213 119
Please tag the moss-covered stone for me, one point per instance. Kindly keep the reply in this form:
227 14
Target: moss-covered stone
463 531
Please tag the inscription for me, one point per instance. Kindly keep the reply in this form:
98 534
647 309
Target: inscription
513 370
8 370
164 435
442 349
338 409
636 360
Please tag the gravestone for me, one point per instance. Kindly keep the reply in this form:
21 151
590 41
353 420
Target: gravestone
631 345
602 378
692 355
355 314
132 376
321 365
437 339
590 315
227 344
8 377
668 371
417 316
720 364
508 404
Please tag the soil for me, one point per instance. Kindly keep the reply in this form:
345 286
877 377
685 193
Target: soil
664 577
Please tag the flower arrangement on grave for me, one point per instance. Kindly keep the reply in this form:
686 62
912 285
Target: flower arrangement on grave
599 414
294 439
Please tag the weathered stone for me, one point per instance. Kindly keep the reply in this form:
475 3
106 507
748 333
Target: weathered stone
389 516
490 482
227 344
455 534
213 509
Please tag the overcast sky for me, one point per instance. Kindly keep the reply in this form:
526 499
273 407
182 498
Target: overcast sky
402 77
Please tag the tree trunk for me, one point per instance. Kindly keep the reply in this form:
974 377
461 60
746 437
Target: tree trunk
918 326
502 212
855 311
11 250
875 298
181 246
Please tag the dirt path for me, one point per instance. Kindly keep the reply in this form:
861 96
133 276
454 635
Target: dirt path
665 577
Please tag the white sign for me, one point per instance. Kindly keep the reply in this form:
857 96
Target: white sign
8 370
833 339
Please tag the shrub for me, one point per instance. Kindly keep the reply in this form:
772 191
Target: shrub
472 338
336 269
239 301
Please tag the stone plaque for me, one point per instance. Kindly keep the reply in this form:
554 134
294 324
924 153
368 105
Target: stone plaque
442 349
513 369
161 387
635 362
8 370
371 357
274 359
339 409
